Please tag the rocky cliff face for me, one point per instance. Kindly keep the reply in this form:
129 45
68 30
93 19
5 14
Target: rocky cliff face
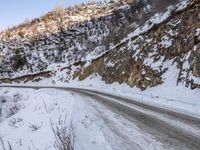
137 43
142 61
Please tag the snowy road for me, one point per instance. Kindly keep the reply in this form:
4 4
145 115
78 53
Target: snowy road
127 124
158 127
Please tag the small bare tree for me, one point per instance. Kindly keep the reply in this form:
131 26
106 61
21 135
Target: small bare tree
58 17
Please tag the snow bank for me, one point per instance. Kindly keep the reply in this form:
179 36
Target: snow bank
42 110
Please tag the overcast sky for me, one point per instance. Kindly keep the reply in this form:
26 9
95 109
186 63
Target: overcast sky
13 12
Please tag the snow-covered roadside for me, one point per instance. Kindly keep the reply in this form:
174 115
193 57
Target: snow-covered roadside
30 125
88 133
29 116
102 128
32 119
167 94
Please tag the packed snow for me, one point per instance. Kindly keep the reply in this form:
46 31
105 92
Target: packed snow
28 115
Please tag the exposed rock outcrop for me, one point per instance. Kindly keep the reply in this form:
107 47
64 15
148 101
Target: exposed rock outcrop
141 60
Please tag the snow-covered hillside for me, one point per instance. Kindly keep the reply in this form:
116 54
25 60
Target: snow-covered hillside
136 43
65 36
144 44
167 43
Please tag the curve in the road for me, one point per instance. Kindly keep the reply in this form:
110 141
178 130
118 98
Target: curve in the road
178 129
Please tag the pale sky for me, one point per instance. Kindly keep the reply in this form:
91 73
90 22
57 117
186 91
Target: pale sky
13 12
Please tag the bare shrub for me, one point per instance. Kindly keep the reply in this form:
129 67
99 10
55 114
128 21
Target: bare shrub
34 127
13 110
9 105
21 33
18 61
3 145
64 139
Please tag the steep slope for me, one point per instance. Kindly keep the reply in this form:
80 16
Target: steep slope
148 59
67 36
135 42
